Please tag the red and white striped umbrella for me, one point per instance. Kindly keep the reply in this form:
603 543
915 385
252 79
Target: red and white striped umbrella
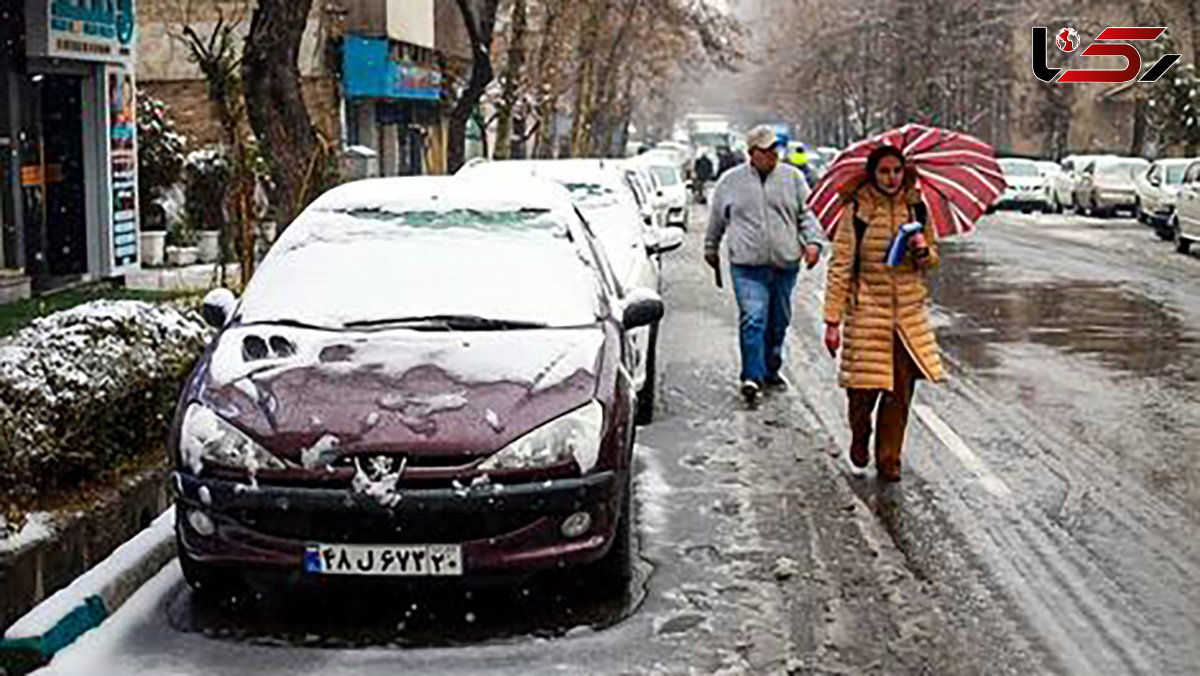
956 173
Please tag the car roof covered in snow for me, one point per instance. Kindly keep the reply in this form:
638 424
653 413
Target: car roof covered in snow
445 193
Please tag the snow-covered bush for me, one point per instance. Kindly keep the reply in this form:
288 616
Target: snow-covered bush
83 389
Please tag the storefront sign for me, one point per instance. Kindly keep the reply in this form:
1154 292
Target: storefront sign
369 72
122 143
98 30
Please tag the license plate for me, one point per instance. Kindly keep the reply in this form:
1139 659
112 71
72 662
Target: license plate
384 560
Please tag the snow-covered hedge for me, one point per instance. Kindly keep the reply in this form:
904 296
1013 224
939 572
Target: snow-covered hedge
83 389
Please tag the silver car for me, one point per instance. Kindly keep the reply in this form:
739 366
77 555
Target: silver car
1106 186
1185 222
1158 189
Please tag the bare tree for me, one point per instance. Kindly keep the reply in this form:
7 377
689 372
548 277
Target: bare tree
479 16
301 163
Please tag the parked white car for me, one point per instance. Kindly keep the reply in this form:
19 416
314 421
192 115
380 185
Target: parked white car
1157 191
1107 185
1185 222
599 189
642 181
1026 186
1050 171
671 187
1062 194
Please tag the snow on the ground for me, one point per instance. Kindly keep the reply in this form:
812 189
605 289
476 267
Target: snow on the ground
104 579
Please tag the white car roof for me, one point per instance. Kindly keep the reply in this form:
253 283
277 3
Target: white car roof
445 193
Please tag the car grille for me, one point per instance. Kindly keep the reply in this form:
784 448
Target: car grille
343 528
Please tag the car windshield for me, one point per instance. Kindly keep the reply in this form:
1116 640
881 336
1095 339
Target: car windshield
1019 168
666 176
353 267
1123 170
590 195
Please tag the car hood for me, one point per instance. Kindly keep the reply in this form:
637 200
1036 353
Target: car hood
458 395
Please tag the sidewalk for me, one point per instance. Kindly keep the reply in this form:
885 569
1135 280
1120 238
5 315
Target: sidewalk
191 278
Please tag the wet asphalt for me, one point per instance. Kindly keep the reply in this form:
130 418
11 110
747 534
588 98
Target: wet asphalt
1047 522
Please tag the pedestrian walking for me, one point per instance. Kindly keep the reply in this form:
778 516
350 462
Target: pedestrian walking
726 160
703 173
761 205
889 342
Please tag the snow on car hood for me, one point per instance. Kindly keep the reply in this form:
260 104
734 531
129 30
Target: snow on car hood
401 388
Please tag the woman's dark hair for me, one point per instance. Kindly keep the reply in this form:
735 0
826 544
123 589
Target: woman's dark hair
848 190
877 156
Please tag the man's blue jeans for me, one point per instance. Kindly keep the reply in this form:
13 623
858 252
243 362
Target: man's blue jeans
764 298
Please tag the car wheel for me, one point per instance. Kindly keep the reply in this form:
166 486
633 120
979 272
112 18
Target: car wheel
613 571
644 414
1094 210
1079 210
1182 244
1138 213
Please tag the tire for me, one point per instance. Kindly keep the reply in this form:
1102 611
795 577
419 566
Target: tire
644 412
1094 210
1138 213
1183 245
612 572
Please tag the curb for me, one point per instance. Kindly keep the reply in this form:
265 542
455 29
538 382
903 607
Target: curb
66 615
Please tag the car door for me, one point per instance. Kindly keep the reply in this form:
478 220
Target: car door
637 341
1064 182
1147 188
1189 202
1083 185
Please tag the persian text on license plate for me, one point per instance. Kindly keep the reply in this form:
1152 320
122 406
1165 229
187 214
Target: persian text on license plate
399 560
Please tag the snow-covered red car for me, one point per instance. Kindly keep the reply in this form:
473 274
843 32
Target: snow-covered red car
426 378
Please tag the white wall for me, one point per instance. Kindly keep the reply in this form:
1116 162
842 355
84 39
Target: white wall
411 21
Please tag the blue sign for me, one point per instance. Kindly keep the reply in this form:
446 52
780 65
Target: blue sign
102 30
369 72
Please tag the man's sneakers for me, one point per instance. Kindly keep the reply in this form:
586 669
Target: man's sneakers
751 391
776 384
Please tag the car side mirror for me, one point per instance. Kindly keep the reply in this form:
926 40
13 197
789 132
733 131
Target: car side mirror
643 307
218 307
669 239
1155 181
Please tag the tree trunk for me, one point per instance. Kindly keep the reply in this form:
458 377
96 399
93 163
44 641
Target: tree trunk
585 80
480 25
513 71
298 161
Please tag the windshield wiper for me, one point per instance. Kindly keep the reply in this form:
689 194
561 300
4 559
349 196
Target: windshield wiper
447 323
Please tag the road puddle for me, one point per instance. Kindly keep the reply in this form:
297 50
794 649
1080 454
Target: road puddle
1110 321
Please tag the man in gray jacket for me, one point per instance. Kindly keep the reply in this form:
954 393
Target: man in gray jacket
761 205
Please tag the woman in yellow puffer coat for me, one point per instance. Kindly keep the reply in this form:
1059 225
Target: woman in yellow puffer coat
889 341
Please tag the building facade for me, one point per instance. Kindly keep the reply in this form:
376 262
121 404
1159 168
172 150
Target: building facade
68 141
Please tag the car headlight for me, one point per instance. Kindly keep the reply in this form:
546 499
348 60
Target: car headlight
575 435
208 439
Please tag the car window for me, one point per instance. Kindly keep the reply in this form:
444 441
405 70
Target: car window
1019 168
666 176
608 278
334 268
1175 174
1193 173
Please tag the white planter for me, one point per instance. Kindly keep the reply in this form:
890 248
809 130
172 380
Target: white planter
180 256
153 246
209 248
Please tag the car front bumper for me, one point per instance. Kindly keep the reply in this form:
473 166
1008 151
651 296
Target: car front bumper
502 529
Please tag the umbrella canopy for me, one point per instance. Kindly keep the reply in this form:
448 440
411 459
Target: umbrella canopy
957 175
